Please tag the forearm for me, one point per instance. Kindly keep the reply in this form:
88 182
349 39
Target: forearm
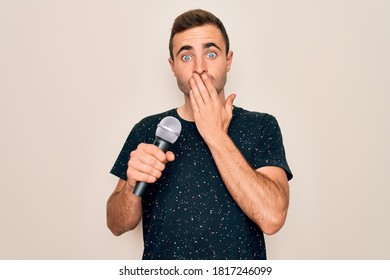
124 209
262 199
263 196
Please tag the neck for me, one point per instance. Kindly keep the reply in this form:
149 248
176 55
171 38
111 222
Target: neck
185 112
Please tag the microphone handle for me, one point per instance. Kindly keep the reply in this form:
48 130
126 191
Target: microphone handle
162 144
140 187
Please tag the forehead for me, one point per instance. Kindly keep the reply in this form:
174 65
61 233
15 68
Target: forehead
198 36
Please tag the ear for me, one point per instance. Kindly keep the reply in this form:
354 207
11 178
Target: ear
172 64
229 60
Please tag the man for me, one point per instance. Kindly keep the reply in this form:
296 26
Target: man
225 180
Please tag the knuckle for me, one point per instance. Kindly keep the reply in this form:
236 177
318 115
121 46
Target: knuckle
158 174
135 154
143 147
140 145
131 163
130 174
132 154
148 170
147 178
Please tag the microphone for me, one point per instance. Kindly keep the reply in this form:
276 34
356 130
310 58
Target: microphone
167 132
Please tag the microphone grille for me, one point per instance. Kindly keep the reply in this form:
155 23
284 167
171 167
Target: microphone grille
169 129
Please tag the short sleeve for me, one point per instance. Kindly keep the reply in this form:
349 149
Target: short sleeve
120 166
142 132
269 150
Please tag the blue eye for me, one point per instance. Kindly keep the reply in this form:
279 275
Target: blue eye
211 55
186 57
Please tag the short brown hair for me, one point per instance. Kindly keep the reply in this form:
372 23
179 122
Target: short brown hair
194 18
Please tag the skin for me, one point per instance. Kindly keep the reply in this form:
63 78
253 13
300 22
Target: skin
200 65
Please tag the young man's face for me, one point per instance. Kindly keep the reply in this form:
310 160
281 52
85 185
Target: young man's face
200 50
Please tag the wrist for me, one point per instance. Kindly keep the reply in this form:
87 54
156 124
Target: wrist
217 140
126 188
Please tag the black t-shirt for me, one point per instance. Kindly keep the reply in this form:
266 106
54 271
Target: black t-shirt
188 213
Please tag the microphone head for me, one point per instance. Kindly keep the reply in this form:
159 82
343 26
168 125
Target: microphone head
169 129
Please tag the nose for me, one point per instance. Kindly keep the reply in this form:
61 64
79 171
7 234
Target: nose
200 66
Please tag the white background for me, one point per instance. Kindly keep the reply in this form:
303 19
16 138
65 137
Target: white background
75 76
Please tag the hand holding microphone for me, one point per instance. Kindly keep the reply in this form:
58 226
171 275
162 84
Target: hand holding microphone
148 161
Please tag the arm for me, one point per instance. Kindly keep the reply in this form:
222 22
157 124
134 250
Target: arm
262 194
124 209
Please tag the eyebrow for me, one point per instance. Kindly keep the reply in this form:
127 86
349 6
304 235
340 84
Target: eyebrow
205 46
184 48
209 45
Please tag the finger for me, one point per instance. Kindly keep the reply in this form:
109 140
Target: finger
195 92
138 171
203 90
194 104
152 150
146 169
212 92
142 162
152 162
170 156
229 102
134 176
149 154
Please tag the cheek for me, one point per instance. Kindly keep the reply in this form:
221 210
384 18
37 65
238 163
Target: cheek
183 74
216 76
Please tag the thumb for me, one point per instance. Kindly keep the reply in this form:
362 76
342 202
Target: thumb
170 156
229 102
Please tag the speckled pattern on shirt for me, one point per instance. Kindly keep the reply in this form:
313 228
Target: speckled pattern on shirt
188 213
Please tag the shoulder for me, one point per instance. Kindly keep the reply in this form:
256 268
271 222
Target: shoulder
145 129
253 126
253 118
150 122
